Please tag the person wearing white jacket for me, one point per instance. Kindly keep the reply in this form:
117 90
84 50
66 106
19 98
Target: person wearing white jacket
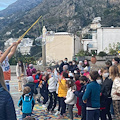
71 99
52 86
21 75
115 93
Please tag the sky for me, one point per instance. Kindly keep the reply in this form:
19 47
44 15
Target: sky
5 3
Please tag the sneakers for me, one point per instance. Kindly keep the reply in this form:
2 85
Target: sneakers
58 112
44 107
76 115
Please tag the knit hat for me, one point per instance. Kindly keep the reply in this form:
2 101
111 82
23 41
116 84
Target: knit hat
30 79
117 59
80 62
30 65
86 68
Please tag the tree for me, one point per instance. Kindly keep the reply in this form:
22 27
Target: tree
113 49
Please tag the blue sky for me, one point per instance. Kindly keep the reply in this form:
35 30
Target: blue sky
5 3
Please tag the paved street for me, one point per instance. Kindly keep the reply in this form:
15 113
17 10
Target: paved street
38 112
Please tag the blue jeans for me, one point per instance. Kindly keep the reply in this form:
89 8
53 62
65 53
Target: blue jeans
8 86
26 114
93 114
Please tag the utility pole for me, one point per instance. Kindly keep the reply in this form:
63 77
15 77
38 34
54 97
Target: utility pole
44 46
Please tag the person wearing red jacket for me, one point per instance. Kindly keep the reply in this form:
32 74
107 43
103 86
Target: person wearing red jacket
78 86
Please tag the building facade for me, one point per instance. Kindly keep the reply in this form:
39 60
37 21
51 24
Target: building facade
101 39
24 47
61 45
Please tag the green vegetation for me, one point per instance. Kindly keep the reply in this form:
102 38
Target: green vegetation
83 53
113 48
102 54
25 58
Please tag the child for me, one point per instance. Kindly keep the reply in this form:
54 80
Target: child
78 86
35 77
44 90
83 81
92 97
26 102
32 85
62 92
52 86
106 90
70 98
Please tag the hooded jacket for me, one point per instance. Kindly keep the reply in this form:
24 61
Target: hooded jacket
27 102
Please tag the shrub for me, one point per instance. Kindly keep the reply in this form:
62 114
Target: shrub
102 54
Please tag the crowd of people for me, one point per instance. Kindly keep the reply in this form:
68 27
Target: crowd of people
95 94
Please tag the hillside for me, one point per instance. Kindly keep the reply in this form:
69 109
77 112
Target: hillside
60 15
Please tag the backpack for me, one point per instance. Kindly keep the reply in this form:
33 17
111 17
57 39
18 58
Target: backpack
27 103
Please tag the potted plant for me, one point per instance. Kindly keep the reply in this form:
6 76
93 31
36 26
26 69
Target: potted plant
93 58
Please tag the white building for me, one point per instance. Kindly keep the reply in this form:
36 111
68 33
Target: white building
24 47
101 38
61 45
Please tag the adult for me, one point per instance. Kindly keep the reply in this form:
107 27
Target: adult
86 64
74 66
4 60
70 68
108 63
7 110
65 69
92 97
115 61
21 75
80 67
115 93
30 69
65 62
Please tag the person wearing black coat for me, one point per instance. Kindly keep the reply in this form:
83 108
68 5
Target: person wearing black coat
7 109
80 93
106 89
32 85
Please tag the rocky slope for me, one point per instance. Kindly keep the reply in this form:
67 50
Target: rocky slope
59 15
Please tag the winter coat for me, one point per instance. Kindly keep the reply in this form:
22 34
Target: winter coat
115 88
80 94
27 102
52 84
71 99
62 89
7 109
32 87
43 87
107 87
92 95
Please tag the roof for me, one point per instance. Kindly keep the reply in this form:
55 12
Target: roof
62 33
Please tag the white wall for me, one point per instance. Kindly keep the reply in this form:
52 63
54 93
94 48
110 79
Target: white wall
105 36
